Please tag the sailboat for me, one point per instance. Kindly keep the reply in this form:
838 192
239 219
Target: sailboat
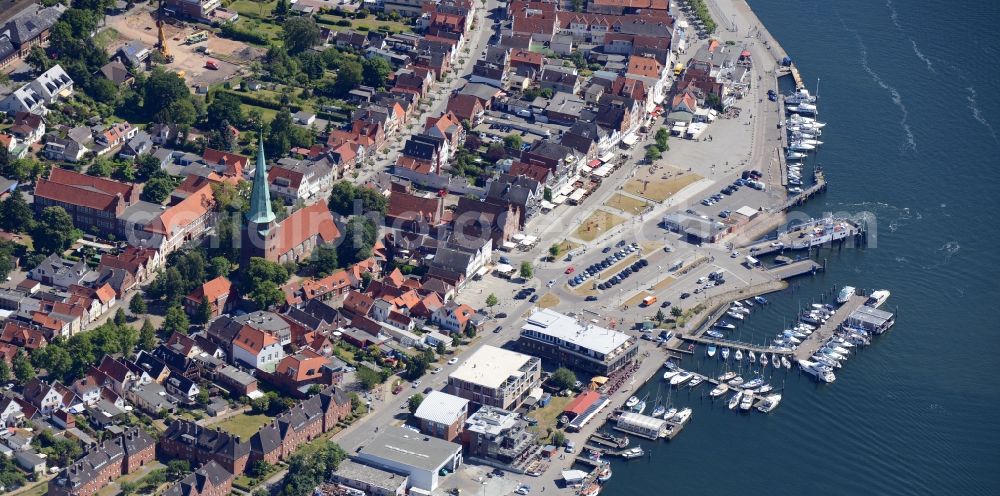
786 363
725 325
659 410
631 402
752 357
739 355
710 350
763 359
725 353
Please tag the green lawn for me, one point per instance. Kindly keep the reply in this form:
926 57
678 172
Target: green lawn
371 23
266 113
549 414
273 31
254 8
244 425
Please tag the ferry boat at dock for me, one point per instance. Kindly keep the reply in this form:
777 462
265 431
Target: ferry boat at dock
817 232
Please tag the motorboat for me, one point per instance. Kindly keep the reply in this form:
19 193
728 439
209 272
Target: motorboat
775 361
740 309
737 303
659 411
735 400
725 353
724 325
735 381
751 357
739 355
727 376
735 315
754 383
591 489
710 350
669 413
681 416
786 363
845 294
800 146
713 333
832 354
799 96
604 472
795 190
766 388
695 381
763 360
632 453
641 407
877 298
821 374
780 341
793 155
632 402
681 378
747 402
769 403
760 299
719 390
667 376
670 364
748 302
826 360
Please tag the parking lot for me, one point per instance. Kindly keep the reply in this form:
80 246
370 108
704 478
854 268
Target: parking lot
719 205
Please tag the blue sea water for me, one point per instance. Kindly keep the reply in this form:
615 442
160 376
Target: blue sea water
909 92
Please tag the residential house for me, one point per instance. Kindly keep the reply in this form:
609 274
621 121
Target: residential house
492 68
466 107
93 202
59 272
26 29
211 479
28 128
117 73
560 80
189 441
300 180
257 349
140 144
219 293
113 137
118 455
33 97
453 317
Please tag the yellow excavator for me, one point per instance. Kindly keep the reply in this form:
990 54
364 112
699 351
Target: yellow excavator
161 43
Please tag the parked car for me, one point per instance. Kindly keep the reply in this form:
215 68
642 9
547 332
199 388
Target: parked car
685 295
665 304
570 269
497 329
533 298
592 297
453 361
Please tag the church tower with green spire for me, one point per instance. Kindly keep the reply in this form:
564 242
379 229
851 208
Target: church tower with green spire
258 230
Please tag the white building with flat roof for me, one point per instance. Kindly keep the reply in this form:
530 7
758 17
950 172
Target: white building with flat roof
408 452
496 377
581 346
442 415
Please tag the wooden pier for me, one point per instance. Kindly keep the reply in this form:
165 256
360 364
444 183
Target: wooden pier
799 84
794 269
818 187
822 333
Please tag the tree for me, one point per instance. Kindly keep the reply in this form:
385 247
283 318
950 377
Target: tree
368 378
54 231
414 402
225 107
260 405
147 336
360 235
349 76
37 59
157 189
23 370
347 199
558 438
662 135
175 320
441 349
375 72
527 270
5 373
324 261
146 167
546 93
513 141
219 267
278 140
137 305
266 295
165 95
554 250
54 358
7 249
660 316
102 167
676 312
104 91
120 318
178 468
203 396
16 214
652 153
204 312
491 300
260 271
563 378
301 34
280 9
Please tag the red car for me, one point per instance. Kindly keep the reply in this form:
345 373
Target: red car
569 270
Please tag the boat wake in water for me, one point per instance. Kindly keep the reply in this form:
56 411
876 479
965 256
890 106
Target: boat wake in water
894 16
977 114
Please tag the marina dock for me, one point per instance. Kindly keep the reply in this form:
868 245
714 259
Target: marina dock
815 340
819 186
737 345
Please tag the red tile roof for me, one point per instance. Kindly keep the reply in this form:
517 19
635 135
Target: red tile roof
314 220
211 290
582 402
253 340
234 162
644 66
293 178
73 188
465 106
179 216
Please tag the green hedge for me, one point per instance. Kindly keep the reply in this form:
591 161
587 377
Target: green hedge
232 32
250 99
